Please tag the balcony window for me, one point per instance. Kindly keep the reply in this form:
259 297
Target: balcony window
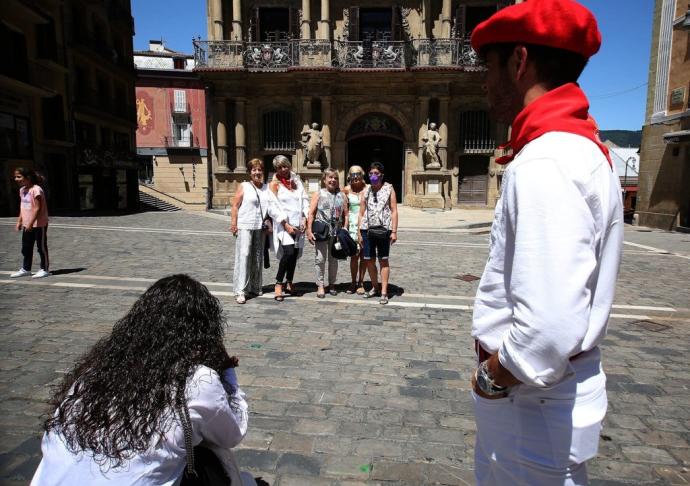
53 118
467 17
273 24
278 131
475 133
15 136
13 50
86 133
182 131
46 46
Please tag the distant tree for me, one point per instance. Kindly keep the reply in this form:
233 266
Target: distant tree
623 138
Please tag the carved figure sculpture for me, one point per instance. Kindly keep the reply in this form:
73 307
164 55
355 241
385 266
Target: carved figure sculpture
312 144
431 140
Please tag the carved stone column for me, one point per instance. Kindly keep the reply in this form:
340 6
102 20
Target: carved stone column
306 19
221 137
326 128
325 22
216 31
237 20
444 102
422 121
446 19
240 136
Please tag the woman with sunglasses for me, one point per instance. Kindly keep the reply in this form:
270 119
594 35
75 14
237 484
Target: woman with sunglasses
378 229
353 190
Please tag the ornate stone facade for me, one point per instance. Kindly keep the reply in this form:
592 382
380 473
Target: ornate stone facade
371 89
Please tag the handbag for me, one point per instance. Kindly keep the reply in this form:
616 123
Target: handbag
203 466
343 245
265 228
321 230
376 232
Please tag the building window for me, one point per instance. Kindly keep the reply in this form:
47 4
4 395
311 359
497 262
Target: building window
178 62
13 50
121 140
180 101
475 133
15 136
106 137
182 131
46 46
278 131
53 118
86 133
434 110
316 110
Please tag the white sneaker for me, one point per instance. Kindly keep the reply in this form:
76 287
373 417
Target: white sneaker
40 274
20 273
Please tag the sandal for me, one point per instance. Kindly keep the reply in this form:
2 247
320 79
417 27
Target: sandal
321 294
289 288
333 292
383 300
241 299
279 293
372 293
352 288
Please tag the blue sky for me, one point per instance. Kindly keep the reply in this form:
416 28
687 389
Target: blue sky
615 79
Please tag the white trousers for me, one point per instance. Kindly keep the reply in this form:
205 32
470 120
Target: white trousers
249 252
542 437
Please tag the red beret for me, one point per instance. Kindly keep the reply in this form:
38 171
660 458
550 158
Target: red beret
563 24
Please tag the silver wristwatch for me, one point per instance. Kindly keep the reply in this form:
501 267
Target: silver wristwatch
485 382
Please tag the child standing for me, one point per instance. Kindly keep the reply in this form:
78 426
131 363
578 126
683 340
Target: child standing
32 221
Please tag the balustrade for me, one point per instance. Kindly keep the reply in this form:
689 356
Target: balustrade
281 55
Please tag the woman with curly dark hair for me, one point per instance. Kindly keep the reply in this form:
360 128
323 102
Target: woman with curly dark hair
123 413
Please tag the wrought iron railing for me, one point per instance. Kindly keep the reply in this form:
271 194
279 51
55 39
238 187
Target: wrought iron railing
436 52
375 54
189 141
311 53
317 53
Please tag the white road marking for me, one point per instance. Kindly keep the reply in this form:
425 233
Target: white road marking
657 250
394 302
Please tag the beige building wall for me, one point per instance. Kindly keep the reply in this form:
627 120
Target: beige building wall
664 180
182 177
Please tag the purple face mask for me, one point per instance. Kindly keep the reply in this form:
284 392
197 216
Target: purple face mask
375 178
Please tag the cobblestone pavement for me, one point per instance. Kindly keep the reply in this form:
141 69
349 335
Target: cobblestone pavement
345 391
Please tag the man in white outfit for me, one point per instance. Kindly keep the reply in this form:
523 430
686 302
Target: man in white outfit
544 299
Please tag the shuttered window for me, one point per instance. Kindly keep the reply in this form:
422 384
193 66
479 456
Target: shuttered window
475 132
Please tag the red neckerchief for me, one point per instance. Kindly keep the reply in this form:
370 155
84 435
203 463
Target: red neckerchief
564 109
287 182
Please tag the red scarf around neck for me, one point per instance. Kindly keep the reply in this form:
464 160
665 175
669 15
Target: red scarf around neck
564 109
286 181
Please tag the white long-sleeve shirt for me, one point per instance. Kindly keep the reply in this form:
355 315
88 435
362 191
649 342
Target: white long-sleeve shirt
219 417
556 243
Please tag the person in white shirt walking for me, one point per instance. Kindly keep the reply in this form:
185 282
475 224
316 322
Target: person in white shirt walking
544 299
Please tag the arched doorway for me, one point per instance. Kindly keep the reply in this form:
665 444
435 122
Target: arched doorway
376 137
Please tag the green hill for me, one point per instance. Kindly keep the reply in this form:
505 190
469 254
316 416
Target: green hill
622 138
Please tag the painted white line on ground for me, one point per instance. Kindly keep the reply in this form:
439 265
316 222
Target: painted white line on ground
657 250
392 303
350 299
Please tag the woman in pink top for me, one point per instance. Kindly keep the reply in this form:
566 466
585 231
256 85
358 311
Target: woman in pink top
32 222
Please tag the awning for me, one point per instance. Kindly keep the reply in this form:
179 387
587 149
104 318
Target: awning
677 137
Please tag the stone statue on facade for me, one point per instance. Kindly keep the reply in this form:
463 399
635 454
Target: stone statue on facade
431 140
312 144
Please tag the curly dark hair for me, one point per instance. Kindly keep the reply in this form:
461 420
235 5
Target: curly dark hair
122 391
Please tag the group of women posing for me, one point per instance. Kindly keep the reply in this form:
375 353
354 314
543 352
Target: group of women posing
281 214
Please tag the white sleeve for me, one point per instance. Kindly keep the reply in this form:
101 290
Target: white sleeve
550 267
274 210
219 414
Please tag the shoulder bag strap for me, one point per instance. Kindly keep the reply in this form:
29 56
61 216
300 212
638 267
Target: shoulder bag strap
366 207
261 211
183 413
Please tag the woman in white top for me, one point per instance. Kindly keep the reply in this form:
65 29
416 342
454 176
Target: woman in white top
294 203
252 205
119 411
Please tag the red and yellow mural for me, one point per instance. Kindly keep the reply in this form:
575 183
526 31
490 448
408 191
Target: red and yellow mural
154 101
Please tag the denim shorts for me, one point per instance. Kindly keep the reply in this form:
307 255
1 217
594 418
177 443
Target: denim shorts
378 248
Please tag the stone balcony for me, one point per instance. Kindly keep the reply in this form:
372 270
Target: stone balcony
318 54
